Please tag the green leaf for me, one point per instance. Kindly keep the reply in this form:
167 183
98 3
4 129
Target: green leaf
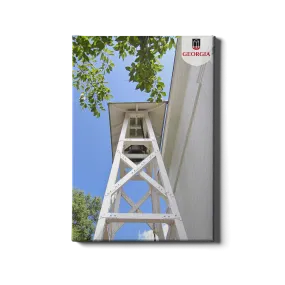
148 88
109 52
132 40
121 39
100 45
85 57
90 58
85 212
124 54
105 39
132 52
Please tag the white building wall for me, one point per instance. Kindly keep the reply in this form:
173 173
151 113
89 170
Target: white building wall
188 146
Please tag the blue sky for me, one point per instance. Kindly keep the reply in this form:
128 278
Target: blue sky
92 156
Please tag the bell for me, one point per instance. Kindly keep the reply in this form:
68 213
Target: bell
136 150
139 149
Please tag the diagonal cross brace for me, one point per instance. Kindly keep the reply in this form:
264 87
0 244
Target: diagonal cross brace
144 175
135 207
130 174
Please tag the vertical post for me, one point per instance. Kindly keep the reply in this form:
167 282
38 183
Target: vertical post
101 227
136 131
181 233
117 202
172 233
155 202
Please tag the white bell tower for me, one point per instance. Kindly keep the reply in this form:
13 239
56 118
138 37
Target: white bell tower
136 130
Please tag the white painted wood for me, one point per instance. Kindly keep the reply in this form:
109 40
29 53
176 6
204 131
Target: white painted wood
160 183
144 175
140 218
135 127
135 208
154 184
110 221
108 232
128 176
119 109
101 224
138 114
138 141
168 233
145 130
166 184
154 108
136 130
172 233
145 142
117 203
128 200
137 178
157 227
136 155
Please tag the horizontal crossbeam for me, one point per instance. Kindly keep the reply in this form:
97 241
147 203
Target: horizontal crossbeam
140 218
146 142
135 127
137 141
136 155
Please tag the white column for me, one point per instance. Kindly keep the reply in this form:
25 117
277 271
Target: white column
166 183
101 228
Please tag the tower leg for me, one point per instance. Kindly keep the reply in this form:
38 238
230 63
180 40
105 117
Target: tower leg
155 202
101 228
181 233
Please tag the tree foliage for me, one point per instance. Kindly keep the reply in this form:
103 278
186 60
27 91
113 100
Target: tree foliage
91 57
85 211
